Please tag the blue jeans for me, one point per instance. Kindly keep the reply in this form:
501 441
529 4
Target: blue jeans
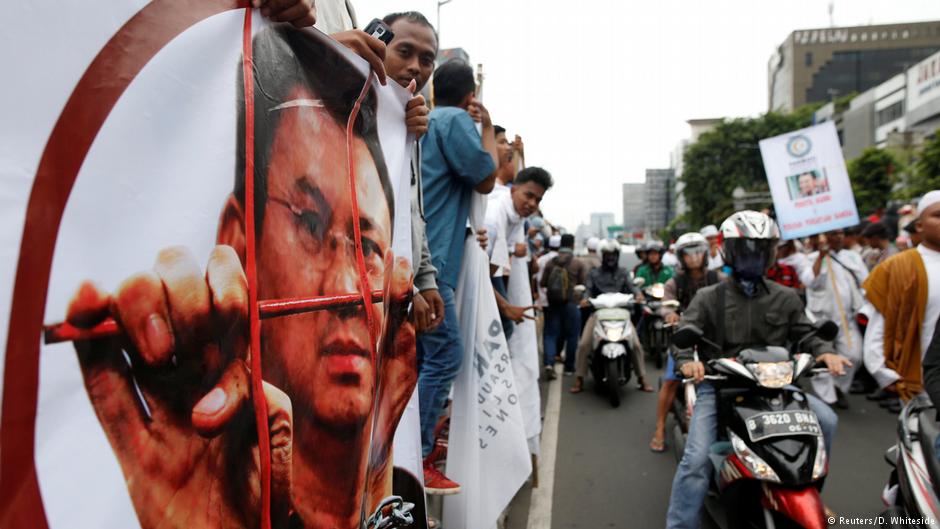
694 473
439 357
562 320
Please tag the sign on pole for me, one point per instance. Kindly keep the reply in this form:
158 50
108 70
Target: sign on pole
808 181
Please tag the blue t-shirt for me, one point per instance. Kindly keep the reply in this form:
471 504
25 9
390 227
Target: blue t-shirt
453 162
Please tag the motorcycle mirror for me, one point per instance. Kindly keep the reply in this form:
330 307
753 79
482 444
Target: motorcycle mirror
828 331
687 337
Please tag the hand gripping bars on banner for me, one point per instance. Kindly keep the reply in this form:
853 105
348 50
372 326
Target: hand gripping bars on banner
267 309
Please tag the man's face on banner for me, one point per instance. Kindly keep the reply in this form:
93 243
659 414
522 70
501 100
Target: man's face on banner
807 184
322 360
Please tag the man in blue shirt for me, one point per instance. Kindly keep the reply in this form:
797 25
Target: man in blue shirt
455 161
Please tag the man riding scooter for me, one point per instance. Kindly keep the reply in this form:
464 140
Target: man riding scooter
654 271
754 311
682 287
605 279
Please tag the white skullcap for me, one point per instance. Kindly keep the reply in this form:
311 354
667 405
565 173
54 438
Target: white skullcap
554 241
591 243
928 200
709 231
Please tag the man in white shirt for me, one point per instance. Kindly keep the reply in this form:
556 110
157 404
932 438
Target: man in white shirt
903 310
505 216
835 293
715 261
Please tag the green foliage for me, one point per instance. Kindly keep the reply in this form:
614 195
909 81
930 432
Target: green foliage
926 174
727 157
873 175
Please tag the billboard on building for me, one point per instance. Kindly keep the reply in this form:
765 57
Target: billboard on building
808 181
923 82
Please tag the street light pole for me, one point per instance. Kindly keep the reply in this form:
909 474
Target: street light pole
439 4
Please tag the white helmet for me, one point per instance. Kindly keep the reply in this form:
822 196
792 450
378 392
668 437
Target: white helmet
592 243
691 240
749 241
608 246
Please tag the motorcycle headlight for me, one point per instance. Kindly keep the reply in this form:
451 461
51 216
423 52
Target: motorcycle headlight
773 374
820 464
613 331
752 461
658 291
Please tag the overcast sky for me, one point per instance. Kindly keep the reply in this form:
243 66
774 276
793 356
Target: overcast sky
600 95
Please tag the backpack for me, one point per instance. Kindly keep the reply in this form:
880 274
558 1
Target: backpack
558 286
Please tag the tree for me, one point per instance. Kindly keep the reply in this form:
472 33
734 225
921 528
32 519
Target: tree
873 176
926 174
727 157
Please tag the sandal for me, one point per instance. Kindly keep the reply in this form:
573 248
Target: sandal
647 388
576 389
658 445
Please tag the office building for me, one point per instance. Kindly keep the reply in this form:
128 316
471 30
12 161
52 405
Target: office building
634 209
660 199
814 65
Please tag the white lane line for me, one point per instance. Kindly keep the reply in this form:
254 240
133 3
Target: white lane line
540 506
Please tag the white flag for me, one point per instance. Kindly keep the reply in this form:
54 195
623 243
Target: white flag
524 350
487 453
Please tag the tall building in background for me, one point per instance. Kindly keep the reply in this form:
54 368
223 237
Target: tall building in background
660 199
677 158
900 112
452 53
634 209
815 65
599 224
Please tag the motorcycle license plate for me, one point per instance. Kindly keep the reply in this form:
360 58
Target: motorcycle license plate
780 423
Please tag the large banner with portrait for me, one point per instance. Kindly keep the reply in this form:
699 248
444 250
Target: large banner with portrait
808 181
206 272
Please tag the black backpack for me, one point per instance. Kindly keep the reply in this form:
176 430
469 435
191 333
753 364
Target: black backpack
558 286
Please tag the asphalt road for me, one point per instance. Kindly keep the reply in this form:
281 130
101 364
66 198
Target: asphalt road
606 476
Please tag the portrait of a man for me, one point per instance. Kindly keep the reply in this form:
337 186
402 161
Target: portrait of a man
807 184
173 392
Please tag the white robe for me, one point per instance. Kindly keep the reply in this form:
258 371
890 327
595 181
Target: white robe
837 296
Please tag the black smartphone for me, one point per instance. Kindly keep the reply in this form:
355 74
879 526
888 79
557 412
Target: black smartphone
380 30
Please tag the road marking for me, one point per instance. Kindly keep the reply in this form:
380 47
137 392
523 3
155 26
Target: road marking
540 506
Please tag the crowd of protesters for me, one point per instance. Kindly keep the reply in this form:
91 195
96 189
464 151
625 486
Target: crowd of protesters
879 281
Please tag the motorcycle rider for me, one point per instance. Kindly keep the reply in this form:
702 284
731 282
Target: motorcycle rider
682 287
640 252
756 311
654 271
605 279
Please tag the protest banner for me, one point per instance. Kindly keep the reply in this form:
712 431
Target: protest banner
808 181
487 452
204 304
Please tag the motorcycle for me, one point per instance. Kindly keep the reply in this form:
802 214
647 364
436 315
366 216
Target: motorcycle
657 334
613 337
910 494
770 458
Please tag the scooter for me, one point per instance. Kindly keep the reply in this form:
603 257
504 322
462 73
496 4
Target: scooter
770 458
911 494
656 333
613 338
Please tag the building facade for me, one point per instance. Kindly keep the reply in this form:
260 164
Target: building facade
660 199
814 65
900 112
634 208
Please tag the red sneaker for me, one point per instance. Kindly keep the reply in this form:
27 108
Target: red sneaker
436 483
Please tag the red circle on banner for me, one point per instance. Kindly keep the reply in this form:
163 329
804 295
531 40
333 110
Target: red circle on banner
87 109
